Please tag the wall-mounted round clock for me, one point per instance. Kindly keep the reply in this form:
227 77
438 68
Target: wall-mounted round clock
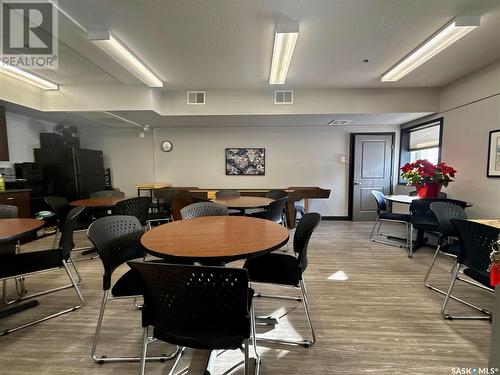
166 146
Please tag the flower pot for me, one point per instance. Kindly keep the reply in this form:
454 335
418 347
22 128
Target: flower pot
428 190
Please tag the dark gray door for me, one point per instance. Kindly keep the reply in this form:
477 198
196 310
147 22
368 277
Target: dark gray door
372 171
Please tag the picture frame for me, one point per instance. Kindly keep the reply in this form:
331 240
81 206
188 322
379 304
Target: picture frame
493 166
245 161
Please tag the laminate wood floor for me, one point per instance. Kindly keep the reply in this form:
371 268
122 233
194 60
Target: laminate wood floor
380 320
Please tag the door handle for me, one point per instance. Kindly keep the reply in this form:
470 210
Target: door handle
357 183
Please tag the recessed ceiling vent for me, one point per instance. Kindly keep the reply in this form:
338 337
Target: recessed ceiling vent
339 122
196 97
283 97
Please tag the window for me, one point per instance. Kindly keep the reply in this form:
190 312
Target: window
422 141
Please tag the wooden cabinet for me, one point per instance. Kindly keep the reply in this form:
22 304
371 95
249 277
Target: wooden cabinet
18 198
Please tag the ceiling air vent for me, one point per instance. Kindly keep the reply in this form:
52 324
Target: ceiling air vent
196 97
283 97
339 122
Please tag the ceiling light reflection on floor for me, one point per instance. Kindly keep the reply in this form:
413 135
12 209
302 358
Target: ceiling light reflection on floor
338 276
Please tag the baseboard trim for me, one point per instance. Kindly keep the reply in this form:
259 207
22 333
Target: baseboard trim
332 218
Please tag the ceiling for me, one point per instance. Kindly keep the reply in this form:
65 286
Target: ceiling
227 44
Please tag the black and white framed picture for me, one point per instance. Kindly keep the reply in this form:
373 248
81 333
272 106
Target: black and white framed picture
246 161
494 154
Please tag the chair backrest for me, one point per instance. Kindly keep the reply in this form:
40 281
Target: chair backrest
184 298
117 240
200 209
8 211
138 207
59 205
276 194
66 242
303 233
274 211
227 193
380 199
167 195
476 240
107 194
420 209
444 212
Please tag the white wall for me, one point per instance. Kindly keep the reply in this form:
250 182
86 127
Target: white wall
300 156
471 109
23 136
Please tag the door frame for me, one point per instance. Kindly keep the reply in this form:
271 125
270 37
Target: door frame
351 164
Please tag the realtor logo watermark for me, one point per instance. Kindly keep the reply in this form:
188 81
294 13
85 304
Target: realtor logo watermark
29 34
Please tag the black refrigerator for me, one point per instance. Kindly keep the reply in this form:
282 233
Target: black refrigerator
71 172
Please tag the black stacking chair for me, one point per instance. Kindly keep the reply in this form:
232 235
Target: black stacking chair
274 211
165 209
107 194
14 266
198 307
227 193
423 219
476 240
287 270
60 206
138 207
117 240
383 215
444 212
276 194
201 209
8 212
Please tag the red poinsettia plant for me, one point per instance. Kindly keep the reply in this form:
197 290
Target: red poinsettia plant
423 172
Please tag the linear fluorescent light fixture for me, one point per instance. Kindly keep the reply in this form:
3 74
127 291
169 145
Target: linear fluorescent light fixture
122 55
24 76
449 34
284 44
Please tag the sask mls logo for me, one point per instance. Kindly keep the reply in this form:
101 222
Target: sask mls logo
29 34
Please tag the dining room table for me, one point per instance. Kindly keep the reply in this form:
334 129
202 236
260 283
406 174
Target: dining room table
214 240
12 230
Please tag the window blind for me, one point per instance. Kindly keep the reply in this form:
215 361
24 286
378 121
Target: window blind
427 137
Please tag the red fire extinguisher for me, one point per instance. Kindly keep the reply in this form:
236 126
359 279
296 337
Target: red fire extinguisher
494 268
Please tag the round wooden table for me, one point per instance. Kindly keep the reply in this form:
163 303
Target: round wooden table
97 202
242 203
407 199
13 229
215 239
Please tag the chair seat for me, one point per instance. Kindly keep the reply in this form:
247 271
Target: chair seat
429 224
451 248
129 284
19 264
274 268
394 216
480 277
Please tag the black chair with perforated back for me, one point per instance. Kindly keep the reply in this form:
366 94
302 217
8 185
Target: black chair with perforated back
198 307
274 211
384 215
138 207
476 242
107 194
8 212
227 193
287 270
422 217
23 265
117 240
444 212
166 197
201 209
276 194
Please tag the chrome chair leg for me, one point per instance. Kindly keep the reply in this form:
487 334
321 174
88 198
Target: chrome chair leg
373 229
254 340
103 358
448 296
73 308
145 340
305 343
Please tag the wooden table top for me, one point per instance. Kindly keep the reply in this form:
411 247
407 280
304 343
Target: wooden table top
97 202
244 202
215 238
11 229
152 186
491 222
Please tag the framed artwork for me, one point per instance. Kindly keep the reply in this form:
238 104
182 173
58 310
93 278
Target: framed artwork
246 161
494 154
